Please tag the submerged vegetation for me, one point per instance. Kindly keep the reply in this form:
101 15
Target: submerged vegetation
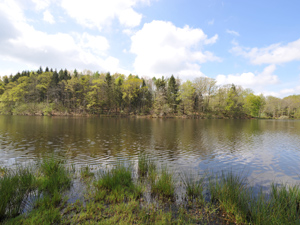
38 195
86 93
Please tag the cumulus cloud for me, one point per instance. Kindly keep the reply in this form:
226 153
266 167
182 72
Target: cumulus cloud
250 80
273 54
235 33
162 48
48 17
23 44
97 14
41 4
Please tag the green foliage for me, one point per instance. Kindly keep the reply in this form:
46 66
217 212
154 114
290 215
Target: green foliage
187 95
254 104
104 93
172 93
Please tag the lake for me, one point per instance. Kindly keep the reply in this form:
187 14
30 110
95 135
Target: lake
265 150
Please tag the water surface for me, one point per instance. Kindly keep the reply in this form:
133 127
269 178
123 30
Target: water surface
267 150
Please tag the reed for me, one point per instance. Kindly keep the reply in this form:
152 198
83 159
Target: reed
15 187
194 185
56 176
118 182
86 173
232 195
164 184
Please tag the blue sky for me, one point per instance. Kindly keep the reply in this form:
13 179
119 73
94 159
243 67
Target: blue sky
254 43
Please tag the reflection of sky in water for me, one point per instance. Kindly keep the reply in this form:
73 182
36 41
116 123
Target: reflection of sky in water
266 150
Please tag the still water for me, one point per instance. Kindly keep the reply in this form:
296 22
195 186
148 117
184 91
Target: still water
265 150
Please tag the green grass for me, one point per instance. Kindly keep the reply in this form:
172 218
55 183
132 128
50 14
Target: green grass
194 185
115 197
231 193
55 177
164 184
86 173
236 199
280 206
15 187
51 179
119 182
145 166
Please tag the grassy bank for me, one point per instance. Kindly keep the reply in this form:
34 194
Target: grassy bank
145 194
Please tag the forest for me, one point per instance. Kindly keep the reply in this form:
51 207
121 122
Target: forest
48 92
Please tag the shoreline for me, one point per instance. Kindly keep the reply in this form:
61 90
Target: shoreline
143 195
149 116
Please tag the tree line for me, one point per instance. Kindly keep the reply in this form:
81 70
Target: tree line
49 92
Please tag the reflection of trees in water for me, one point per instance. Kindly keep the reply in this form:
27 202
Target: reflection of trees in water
172 139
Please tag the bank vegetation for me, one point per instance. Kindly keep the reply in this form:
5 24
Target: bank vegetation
148 194
48 92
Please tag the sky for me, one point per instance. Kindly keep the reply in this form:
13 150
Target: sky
252 43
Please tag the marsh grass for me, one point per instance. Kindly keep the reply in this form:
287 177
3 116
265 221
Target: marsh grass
55 176
52 179
163 184
281 206
86 173
15 187
231 193
119 182
194 185
115 197
145 166
236 199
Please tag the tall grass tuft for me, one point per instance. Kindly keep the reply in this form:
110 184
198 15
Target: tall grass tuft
193 185
284 204
119 181
145 165
56 177
231 193
15 187
86 173
164 184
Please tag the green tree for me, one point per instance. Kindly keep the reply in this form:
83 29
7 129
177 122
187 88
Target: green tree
172 93
254 104
131 91
187 95
232 107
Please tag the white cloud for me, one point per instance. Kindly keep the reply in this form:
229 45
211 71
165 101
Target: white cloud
273 54
128 32
250 80
41 4
97 14
282 93
162 48
48 17
287 91
235 33
23 44
96 44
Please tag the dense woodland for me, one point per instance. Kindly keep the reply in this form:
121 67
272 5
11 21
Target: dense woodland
69 92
